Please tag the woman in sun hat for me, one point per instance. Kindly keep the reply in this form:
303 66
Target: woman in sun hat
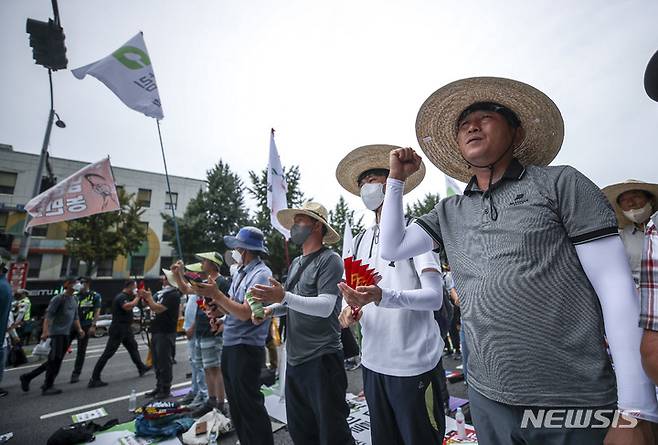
634 203
535 254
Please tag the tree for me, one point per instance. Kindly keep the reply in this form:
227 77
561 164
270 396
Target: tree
107 235
211 214
423 206
337 218
273 239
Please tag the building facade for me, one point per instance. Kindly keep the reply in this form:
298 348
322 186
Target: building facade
48 257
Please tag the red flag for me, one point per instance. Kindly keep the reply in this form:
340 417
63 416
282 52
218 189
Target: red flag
86 192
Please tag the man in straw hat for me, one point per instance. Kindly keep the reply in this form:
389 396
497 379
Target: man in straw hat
634 203
535 254
315 375
165 305
402 342
208 343
244 341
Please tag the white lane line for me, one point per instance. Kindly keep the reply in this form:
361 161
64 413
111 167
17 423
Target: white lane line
121 351
103 402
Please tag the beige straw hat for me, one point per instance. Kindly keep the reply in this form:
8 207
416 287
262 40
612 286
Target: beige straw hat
614 191
316 211
371 157
194 267
170 277
436 123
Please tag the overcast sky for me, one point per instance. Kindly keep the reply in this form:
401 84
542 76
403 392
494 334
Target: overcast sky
330 76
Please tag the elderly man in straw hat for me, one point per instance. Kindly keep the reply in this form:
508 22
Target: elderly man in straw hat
244 341
634 203
315 376
208 343
536 256
402 342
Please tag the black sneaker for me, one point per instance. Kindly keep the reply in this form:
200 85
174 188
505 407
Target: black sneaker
145 370
203 409
75 378
152 393
3 392
25 383
162 395
50 391
96 384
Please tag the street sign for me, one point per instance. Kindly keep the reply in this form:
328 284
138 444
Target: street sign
17 275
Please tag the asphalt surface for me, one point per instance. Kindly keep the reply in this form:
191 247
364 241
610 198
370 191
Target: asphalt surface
33 417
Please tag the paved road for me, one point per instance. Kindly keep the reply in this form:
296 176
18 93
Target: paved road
33 417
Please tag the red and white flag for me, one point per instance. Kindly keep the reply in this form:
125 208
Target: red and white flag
86 192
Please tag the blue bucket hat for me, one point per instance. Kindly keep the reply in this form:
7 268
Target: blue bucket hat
249 238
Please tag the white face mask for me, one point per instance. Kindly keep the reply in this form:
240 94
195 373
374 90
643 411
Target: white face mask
77 287
639 216
234 269
372 195
236 256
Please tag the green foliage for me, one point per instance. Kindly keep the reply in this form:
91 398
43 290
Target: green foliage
337 218
423 206
273 239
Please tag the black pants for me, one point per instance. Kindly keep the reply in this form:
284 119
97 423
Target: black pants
162 347
404 410
118 336
82 349
58 346
454 330
315 402
241 365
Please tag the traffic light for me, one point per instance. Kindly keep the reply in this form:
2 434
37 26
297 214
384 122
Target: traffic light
47 42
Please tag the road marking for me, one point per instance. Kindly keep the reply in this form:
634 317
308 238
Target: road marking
121 351
103 402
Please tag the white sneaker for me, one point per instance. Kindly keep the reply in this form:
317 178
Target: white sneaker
199 400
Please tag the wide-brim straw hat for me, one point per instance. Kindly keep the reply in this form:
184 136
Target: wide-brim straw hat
213 257
651 77
194 267
170 277
316 211
436 123
368 157
614 191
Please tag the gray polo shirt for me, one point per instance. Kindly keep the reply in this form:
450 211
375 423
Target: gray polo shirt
61 313
308 336
532 320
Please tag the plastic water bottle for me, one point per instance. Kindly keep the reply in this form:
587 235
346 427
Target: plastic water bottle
132 401
461 424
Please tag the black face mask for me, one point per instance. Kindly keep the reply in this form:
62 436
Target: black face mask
299 233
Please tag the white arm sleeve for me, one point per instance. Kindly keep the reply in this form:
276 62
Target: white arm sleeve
397 241
428 298
320 306
278 310
605 263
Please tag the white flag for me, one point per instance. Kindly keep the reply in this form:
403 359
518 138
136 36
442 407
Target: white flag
452 188
129 74
348 241
276 188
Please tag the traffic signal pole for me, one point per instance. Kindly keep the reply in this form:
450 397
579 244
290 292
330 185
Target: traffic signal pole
27 232
47 41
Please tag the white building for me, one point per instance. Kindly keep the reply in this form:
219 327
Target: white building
48 256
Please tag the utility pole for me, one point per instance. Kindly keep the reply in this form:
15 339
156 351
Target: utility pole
48 50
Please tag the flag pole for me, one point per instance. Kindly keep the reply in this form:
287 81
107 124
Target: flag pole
171 203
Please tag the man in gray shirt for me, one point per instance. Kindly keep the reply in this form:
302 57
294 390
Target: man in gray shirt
61 316
538 266
315 376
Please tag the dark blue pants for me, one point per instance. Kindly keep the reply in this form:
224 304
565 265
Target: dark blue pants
315 402
404 410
